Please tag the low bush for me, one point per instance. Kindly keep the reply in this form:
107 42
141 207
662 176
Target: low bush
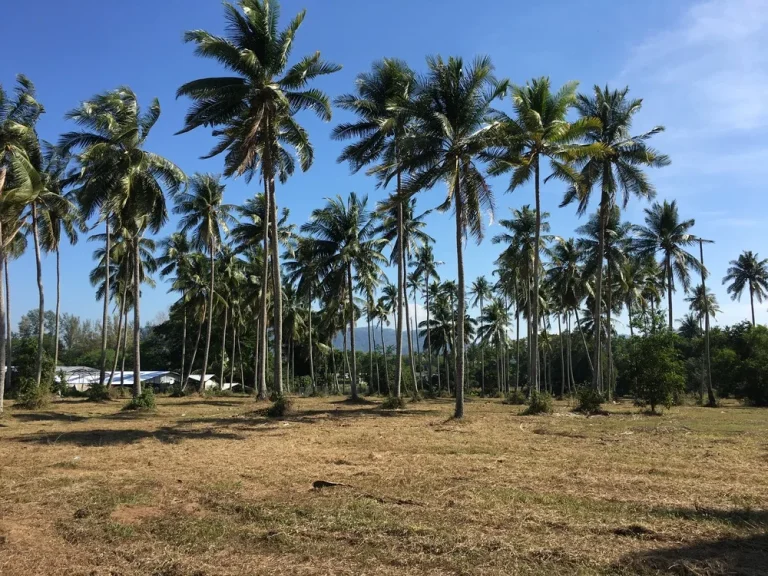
217 393
281 405
118 392
393 403
144 401
589 401
31 396
98 393
539 403
515 398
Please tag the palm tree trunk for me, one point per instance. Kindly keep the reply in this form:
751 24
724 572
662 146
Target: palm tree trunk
212 248
596 371
378 375
669 289
119 335
262 344
58 309
608 337
347 368
571 377
629 312
137 318
386 360
419 354
333 361
584 340
562 357
370 351
536 265
232 362
459 343
400 284
256 344
529 335
240 358
352 333
499 384
751 302
185 378
517 349
428 341
41 315
311 353
105 312
3 319
277 289
9 372
125 347
410 340
482 355
224 347
184 333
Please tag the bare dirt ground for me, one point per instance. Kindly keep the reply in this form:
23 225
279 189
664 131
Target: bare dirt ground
213 488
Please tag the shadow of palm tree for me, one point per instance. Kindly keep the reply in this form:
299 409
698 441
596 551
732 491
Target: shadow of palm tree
47 417
103 437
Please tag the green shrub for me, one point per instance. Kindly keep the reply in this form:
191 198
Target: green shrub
281 406
515 398
659 372
216 393
539 403
31 396
98 393
589 401
118 392
144 401
393 403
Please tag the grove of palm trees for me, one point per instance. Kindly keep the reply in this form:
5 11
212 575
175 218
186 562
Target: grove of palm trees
342 400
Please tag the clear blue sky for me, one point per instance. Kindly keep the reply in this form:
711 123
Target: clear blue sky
700 66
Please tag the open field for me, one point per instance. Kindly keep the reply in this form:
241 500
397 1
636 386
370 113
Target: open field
212 487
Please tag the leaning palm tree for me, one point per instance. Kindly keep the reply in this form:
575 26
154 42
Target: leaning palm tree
538 130
481 291
664 232
613 159
204 217
382 104
116 176
451 137
748 271
253 112
345 242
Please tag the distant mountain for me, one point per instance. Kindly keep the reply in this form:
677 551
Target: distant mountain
361 340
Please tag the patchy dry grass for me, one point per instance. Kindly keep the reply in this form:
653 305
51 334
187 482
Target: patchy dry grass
212 487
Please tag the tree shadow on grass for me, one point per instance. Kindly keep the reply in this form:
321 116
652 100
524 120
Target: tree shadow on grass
104 437
48 416
742 556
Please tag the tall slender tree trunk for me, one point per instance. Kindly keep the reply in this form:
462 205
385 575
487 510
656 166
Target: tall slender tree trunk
584 341
41 293
353 386
370 352
262 344
517 348
428 341
571 378
608 336
482 355
119 334
311 353
232 361
399 305
529 338
751 302
277 289
669 289
536 266
597 315
459 343
212 248
378 375
240 359
386 360
184 333
185 377
256 344
562 357
3 319
125 348
410 340
224 346
137 317
712 402
419 354
9 372
105 312
58 310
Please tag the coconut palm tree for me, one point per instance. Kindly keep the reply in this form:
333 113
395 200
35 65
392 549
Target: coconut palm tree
205 219
613 159
451 137
481 291
690 326
494 322
18 116
701 304
117 176
748 271
426 268
175 258
538 130
664 232
382 103
57 213
253 111
345 242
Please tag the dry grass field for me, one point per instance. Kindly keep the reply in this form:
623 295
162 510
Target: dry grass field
213 488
